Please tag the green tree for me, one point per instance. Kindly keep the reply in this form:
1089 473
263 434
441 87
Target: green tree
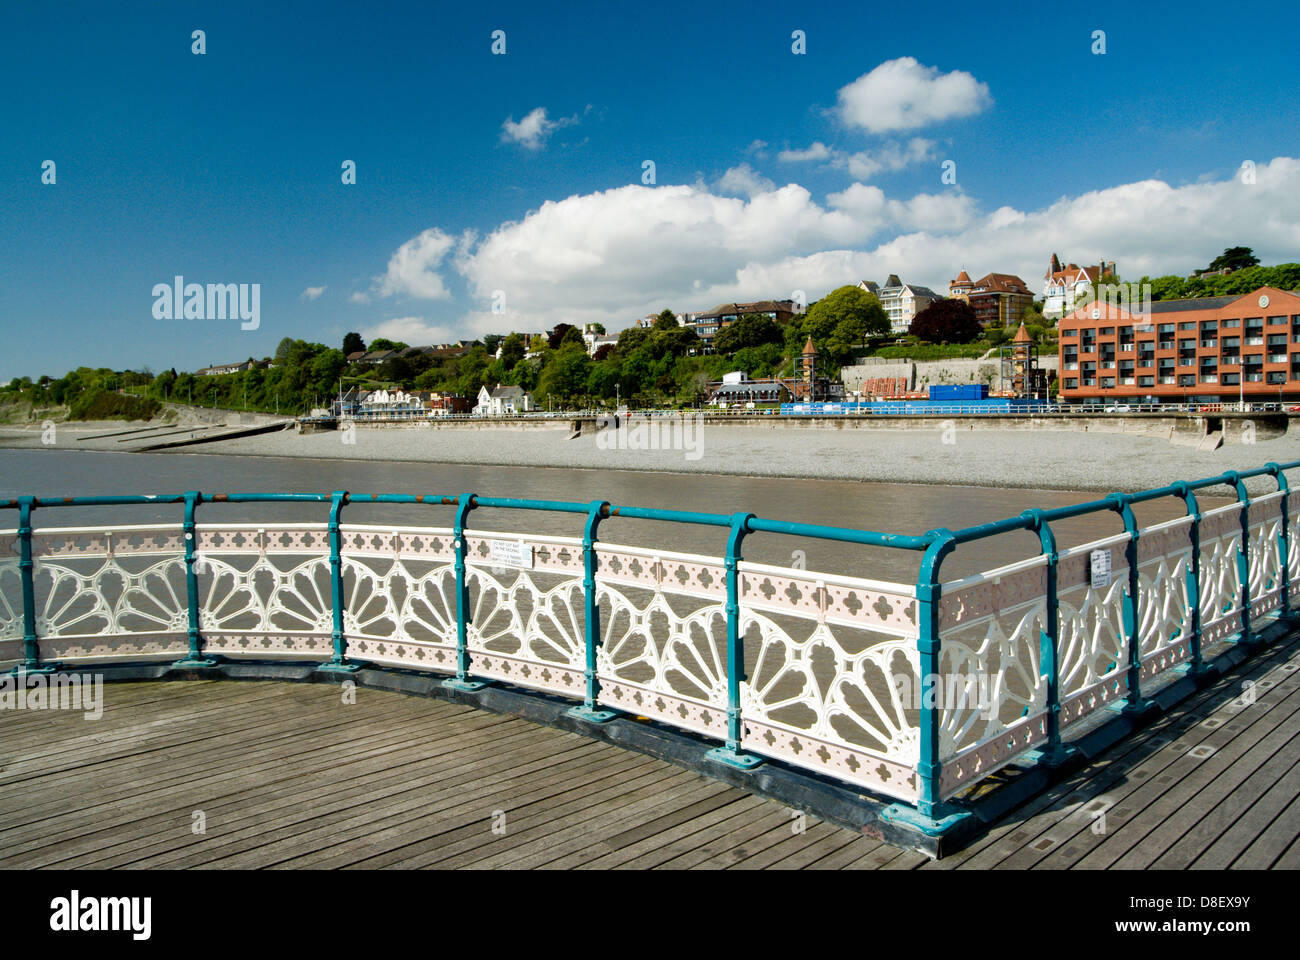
565 376
1233 258
666 320
512 350
352 343
750 330
837 322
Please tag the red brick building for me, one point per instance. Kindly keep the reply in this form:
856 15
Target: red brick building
1208 350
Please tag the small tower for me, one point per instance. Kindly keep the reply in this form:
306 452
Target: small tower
960 288
808 362
1023 363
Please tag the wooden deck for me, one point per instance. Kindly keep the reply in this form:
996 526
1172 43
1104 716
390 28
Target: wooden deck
286 775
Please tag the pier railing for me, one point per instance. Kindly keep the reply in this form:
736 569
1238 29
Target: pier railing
914 691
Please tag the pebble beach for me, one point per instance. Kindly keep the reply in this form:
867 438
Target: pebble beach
1038 459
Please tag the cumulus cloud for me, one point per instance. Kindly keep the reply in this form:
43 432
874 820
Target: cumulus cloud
311 293
618 254
413 267
817 151
744 180
359 296
903 94
890 157
534 129
412 330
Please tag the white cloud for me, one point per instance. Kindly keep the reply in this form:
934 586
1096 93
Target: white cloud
817 151
534 129
359 297
903 94
618 254
890 157
411 330
744 180
413 267
311 293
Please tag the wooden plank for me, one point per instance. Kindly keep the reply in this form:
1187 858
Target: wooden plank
1257 839
158 810
1155 802
1050 821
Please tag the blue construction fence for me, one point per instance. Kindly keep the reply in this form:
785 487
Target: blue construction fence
917 407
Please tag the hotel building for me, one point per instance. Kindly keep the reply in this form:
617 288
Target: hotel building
1207 350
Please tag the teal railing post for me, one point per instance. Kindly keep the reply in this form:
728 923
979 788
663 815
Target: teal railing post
1192 619
464 504
1052 753
1243 555
931 815
731 753
195 658
1132 597
31 645
338 662
591 616
1283 543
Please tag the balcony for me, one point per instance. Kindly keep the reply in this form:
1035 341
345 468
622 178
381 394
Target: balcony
1169 380
1256 341
1209 378
1071 366
1277 358
1207 344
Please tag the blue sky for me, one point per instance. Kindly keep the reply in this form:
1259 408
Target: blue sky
226 167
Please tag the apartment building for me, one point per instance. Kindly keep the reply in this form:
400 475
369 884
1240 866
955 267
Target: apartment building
1207 350
901 301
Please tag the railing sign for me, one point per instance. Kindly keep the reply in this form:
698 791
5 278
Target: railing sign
1100 569
510 553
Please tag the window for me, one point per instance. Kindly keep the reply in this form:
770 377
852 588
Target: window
1231 379
1107 383
1277 376
1232 323
1107 331
1067 333
1187 380
1209 324
1169 327
1189 325
1274 321
1146 381
1071 383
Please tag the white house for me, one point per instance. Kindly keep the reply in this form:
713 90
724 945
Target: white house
1063 283
503 402
594 340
